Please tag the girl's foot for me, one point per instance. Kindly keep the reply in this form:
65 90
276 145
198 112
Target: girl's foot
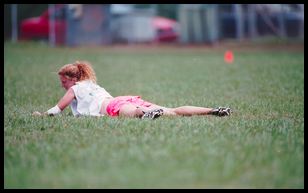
153 114
221 111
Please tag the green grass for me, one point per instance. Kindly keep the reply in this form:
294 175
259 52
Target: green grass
260 146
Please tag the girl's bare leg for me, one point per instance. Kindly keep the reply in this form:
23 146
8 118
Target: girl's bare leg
130 110
192 110
182 111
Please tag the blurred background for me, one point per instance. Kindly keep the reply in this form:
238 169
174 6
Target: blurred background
249 57
105 24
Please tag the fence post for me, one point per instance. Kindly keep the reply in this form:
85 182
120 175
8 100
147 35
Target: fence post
210 23
14 22
238 21
196 23
52 35
252 21
301 30
183 19
281 22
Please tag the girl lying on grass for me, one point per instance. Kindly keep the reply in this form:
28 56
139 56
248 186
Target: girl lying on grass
87 98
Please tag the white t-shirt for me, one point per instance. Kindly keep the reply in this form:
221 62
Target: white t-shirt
89 98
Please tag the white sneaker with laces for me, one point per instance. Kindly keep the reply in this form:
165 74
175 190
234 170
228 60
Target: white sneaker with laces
221 111
153 114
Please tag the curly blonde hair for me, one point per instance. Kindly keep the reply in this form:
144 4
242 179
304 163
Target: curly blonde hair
81 70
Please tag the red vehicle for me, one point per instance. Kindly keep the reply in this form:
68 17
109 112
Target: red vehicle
165 29
38 27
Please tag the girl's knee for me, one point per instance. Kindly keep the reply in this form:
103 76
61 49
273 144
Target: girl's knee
130 111
138 112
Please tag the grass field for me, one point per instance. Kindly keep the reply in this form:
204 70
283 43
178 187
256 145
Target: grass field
260 146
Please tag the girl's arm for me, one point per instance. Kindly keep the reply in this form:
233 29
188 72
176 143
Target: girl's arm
62 104
66 99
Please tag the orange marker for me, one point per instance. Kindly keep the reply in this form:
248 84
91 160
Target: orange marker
229 56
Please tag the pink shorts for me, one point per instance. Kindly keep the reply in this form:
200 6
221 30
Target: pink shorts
113 108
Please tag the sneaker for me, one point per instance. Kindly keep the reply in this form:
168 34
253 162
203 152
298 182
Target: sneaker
221 111
153 114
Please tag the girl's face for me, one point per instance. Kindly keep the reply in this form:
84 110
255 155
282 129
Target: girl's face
67 83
